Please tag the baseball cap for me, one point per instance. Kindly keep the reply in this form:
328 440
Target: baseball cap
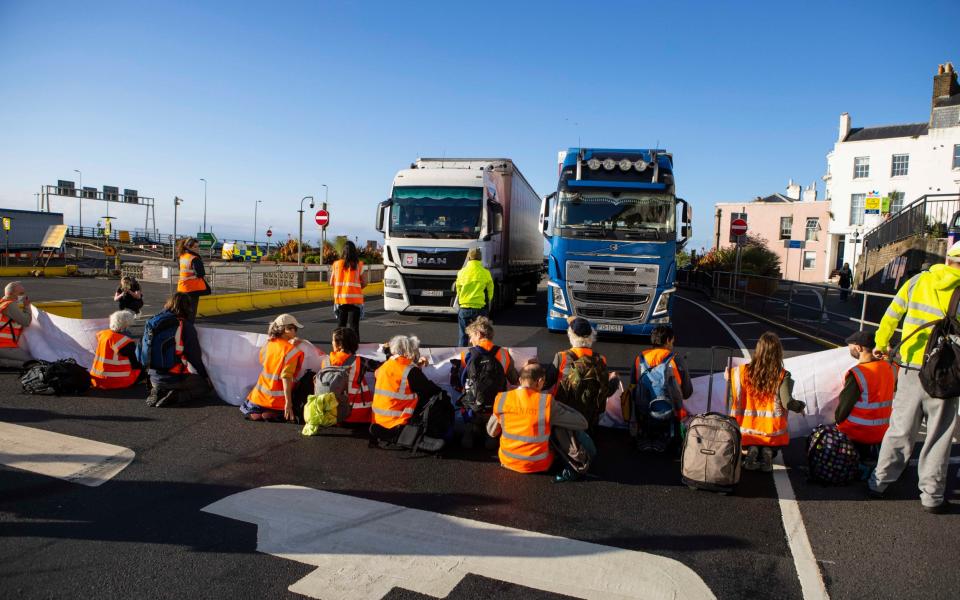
861 338
580 327
285 319
954 250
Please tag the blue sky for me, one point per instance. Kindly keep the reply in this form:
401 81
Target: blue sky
269 101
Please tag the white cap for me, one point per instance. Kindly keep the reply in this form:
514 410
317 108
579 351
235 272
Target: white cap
286 319
954 251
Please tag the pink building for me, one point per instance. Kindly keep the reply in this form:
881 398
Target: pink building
794 226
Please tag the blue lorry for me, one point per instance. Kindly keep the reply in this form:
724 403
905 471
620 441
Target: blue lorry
612 230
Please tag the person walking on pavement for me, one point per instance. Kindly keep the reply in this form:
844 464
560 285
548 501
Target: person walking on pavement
192 280
925 297
474 293
13 319
845 280
347 278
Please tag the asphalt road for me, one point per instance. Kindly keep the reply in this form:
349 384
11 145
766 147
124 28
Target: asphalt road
143 534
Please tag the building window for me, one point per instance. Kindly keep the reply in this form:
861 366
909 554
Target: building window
896 202
861 167
786 227
956 156
899 165
856 208
809 259
813 224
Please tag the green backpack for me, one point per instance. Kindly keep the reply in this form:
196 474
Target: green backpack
584 386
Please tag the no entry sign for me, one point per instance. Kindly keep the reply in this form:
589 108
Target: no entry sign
738 227
323 218
269 233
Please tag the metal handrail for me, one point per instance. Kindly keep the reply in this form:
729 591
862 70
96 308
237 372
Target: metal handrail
912 220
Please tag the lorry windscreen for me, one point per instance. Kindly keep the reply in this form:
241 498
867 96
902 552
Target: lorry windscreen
599 214
449 212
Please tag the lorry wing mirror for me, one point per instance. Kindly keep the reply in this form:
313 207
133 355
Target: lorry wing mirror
381 211
685 212
686 231
496 218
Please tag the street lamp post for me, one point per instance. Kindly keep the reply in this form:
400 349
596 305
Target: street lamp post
204 204
80 173
300 237
856 240
255 207
323 232
177 201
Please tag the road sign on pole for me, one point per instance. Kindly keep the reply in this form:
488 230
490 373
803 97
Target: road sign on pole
206 239
269 232
323 218
738 227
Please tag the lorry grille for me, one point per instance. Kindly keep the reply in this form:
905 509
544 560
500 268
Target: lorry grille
613 291
417 284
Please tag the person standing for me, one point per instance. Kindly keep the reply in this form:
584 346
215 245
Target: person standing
845 280
474 293
925 297
13 319
347 278
192 280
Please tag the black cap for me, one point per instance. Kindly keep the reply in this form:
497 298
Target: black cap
580 327
861 338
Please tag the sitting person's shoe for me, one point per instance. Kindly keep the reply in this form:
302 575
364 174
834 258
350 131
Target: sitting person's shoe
152 397
566 474
167 398
939 509
766 460
750 462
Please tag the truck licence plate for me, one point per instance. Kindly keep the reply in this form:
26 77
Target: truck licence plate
609 327
431 293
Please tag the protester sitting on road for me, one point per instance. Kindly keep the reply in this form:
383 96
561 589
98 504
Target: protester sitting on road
474 287
192 279
271 398
347 278
176 384
13 318
485 370
658 394
761 394
129 296
115 362
344 345
924 298
578 377
525 419
401 390
866 401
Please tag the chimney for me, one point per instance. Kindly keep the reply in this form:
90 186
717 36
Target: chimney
844 126
793 190
945 82
810 193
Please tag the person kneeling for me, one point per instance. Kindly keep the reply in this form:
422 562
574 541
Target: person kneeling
170 363
271 399
401 390
115 362
528 419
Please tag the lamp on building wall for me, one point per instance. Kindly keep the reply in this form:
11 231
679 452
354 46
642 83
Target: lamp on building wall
856 240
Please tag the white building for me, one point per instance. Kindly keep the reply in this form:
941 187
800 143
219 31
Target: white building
902 162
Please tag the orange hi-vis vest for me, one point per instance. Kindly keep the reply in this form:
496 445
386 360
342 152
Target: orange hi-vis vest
189 282
360 396
275 356
653 357
182 365
9 329
524 417
346 283
762 419
393 400
562 371
111 370
870 417
503 357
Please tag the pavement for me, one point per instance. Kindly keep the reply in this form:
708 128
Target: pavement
145 533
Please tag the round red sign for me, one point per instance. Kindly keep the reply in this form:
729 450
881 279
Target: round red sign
323 218
269 232
738 227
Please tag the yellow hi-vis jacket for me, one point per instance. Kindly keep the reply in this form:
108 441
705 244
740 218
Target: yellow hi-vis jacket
923 298
474 285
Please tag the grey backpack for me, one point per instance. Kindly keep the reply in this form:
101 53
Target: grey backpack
336 380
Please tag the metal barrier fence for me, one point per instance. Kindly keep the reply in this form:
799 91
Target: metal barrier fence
823 310
929 215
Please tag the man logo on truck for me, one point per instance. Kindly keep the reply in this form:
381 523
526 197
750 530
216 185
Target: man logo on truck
431 260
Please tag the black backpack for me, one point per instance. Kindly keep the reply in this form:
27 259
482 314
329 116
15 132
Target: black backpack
430 430
485 378
301 391
61 377
940 370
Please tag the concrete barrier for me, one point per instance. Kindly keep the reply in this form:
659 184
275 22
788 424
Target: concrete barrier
72 309
28 271
223 304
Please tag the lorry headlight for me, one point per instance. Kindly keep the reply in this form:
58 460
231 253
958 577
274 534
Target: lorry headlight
556 296
390 282
594 164
663 302
625 164
609 164
640 165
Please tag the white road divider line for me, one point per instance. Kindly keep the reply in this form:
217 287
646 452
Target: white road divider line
811 580
73 459
362 549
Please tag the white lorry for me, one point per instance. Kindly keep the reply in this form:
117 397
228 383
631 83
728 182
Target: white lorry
439 209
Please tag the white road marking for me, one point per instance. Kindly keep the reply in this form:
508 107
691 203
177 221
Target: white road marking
66 457
362 549
811 580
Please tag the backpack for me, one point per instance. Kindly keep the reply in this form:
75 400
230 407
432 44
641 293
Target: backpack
157 348
584 386
831 456
653 389
61 377
940 371
430 430
484 379
336 380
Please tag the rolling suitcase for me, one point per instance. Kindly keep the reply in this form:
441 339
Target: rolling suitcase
711 455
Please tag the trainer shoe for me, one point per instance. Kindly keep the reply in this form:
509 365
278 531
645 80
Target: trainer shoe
766 460
565 475
750 462
939 509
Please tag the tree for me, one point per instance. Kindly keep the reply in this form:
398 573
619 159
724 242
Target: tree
756 259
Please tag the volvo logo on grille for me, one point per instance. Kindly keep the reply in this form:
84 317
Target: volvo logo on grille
614 247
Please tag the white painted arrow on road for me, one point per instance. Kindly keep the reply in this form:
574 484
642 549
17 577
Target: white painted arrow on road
362 549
